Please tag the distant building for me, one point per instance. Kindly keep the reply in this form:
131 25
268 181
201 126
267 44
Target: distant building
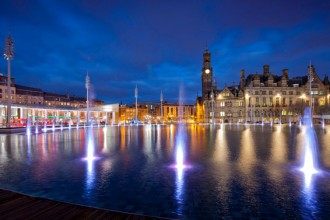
29 96
178 113
3 89
258 97
127 114
38 104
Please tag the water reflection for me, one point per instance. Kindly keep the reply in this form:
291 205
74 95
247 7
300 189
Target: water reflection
90 159
215 171
221 147
278 145
180 150
247 154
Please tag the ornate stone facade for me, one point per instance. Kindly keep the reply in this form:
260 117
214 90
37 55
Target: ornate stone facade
262 97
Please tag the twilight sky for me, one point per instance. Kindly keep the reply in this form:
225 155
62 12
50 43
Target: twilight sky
158 45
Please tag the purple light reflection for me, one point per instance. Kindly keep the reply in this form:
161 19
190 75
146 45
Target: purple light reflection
90 158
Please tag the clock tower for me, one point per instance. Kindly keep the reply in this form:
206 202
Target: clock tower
207 75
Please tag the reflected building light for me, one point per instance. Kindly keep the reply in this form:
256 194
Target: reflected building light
147 138
4 153
158 143
104 138
247 153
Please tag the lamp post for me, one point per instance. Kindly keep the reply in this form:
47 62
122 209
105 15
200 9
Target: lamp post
246 106
212 104
87 98
161 105
303 97
136 96
9 55
278 96
310 78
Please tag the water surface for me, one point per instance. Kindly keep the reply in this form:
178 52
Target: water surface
228 171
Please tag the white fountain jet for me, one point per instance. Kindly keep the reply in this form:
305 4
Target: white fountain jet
28 127
36 128
310 163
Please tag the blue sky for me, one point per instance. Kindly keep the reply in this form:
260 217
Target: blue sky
158 45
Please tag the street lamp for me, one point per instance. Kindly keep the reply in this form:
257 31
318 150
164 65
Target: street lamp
212 103
88 81
246 106
303 98
161 105
136 97
278 96
9 55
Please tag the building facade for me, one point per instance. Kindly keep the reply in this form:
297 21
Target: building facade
178 113
127 114
45 105
262 97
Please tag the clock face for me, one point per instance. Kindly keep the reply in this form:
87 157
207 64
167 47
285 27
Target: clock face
207 71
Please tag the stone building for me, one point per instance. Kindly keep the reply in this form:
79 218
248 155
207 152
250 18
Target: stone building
177 113
261 97
127 114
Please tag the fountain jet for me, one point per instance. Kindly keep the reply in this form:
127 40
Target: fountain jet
310 163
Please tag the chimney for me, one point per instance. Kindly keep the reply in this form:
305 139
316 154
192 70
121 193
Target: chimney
311 69
285 73
243 73
266 69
